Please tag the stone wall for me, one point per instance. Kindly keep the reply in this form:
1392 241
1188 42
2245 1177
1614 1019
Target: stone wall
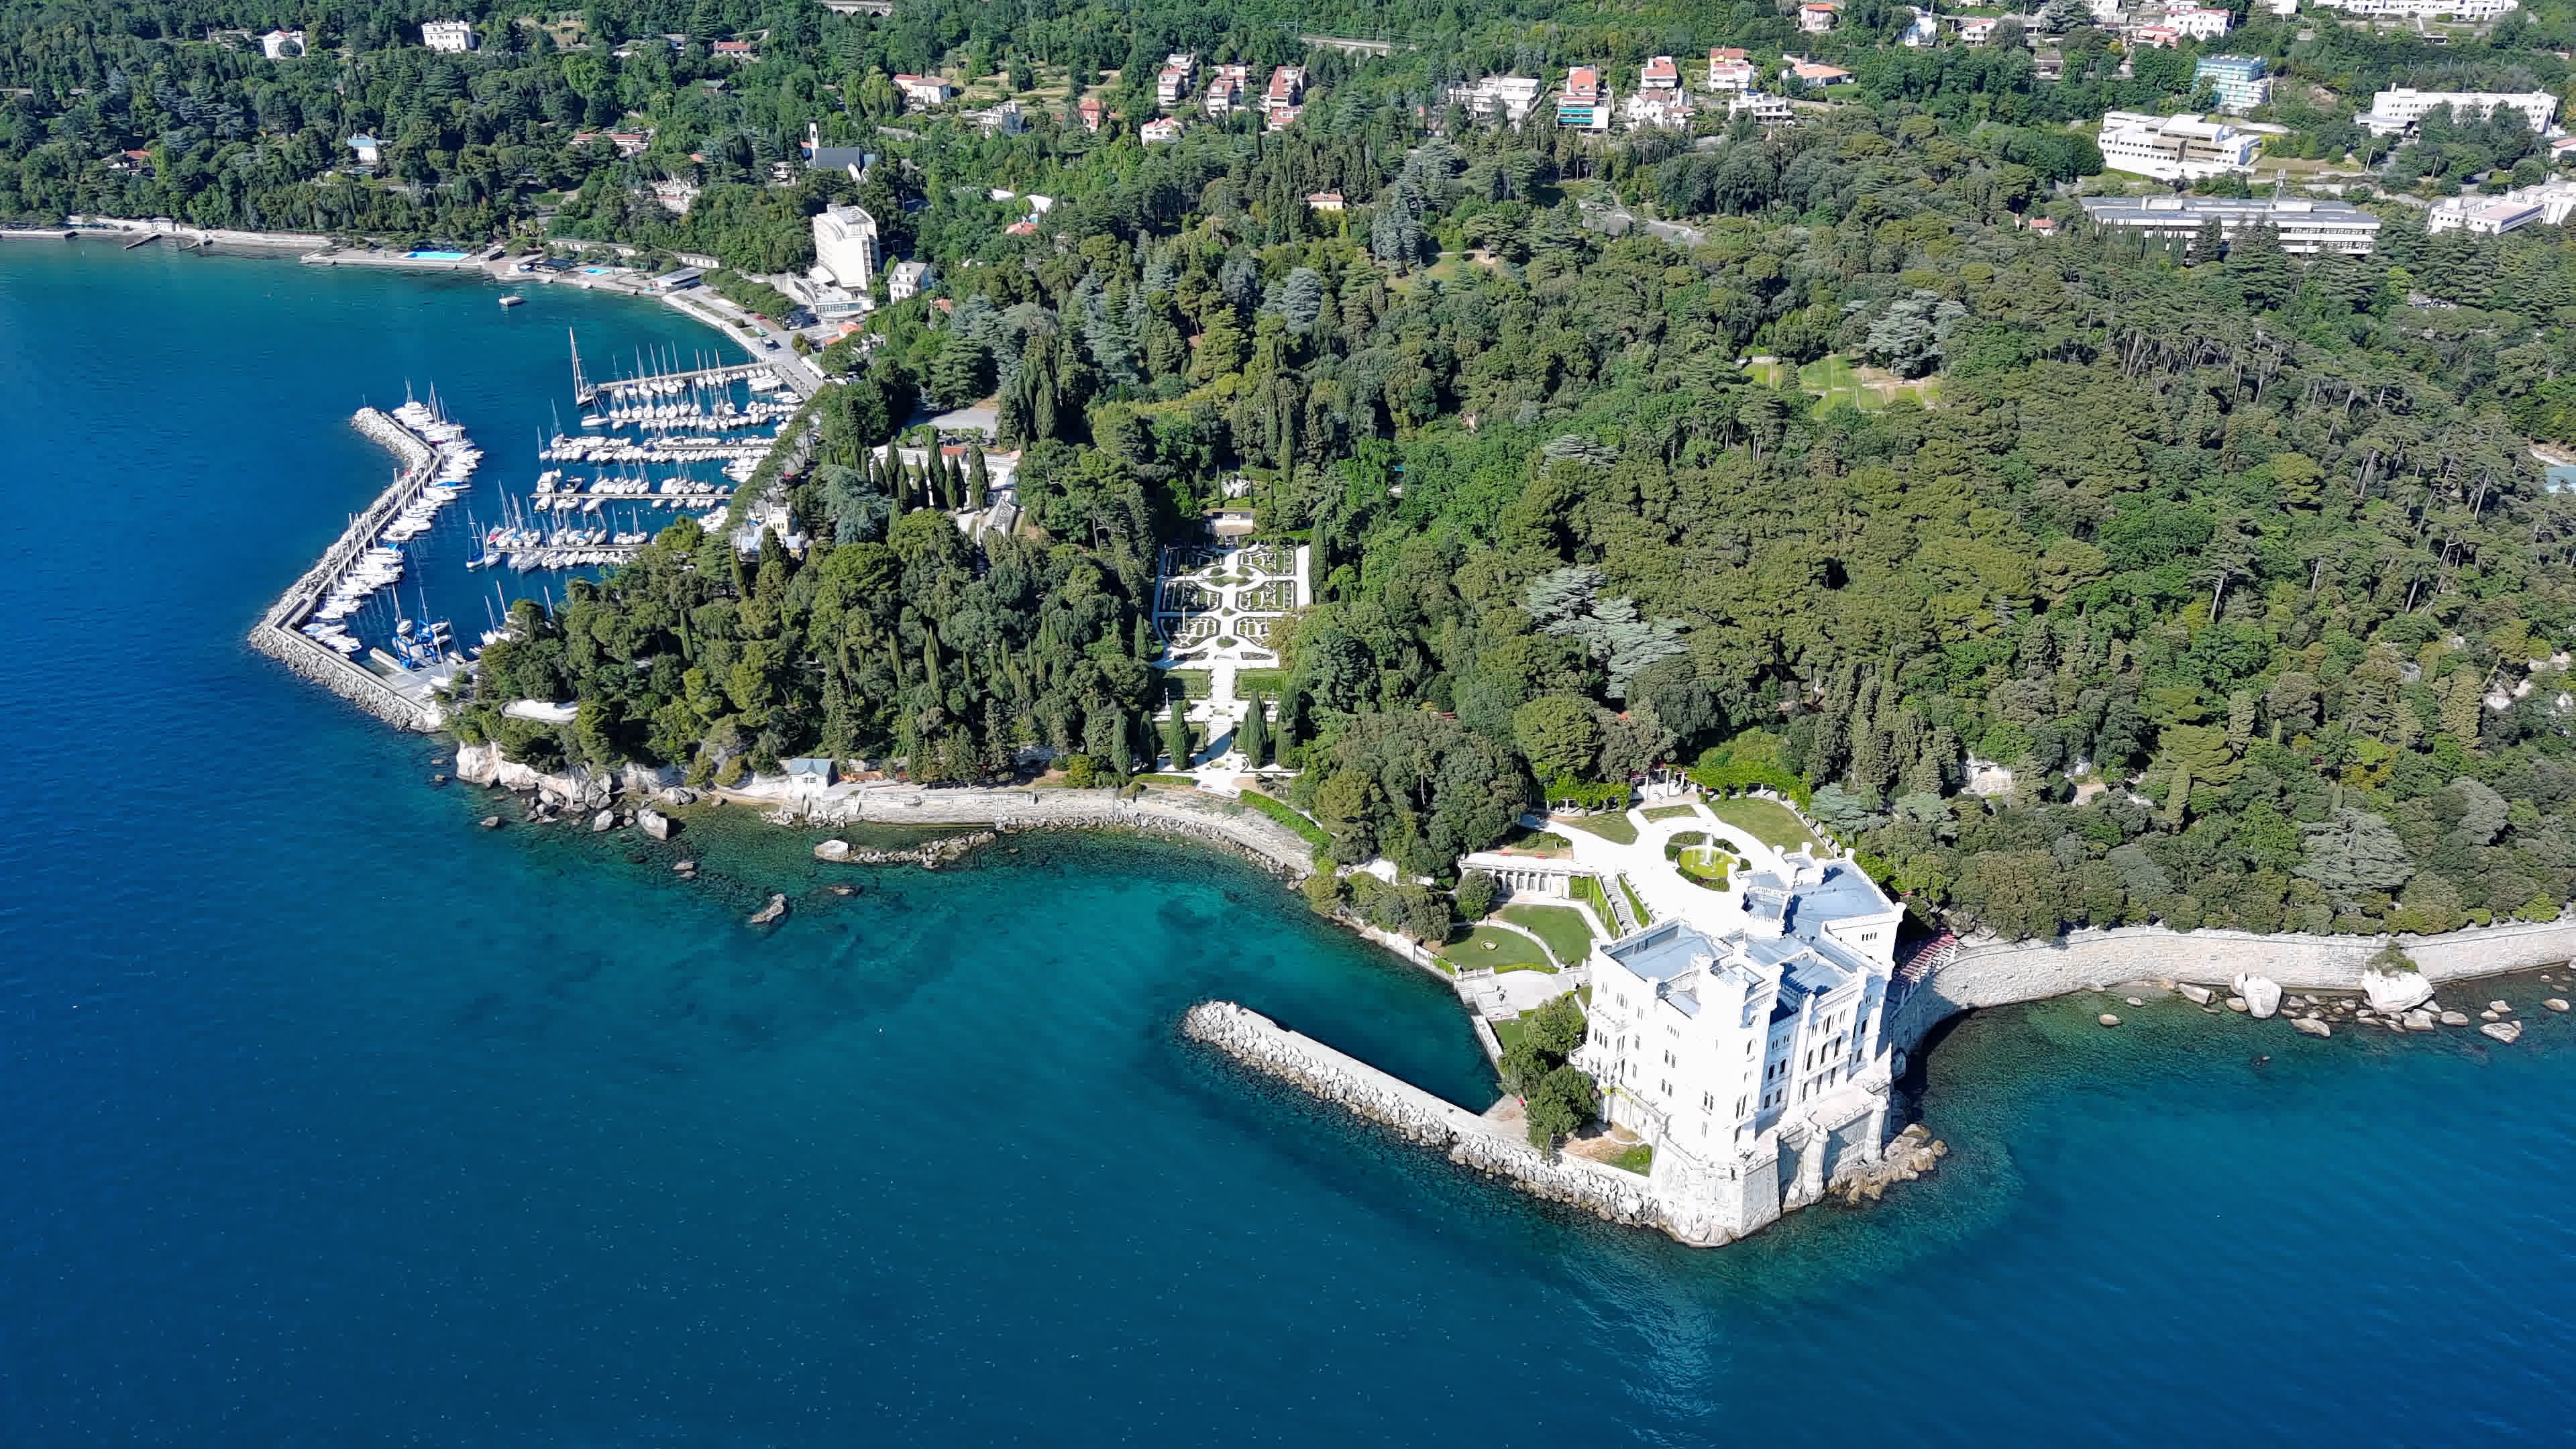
1265 1046
2000 973
276 635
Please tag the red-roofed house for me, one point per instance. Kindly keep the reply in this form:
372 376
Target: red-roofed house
734 50
1818 17
1090 111
1287 95
1660 74
1729 71
1584 105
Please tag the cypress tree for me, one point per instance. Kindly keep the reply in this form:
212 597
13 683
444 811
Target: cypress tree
979 480
1176 735
1292 719
1255 739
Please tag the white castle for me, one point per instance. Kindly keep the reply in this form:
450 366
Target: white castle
1745 1040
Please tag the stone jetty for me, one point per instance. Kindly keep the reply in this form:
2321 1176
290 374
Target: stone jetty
1265 1046
276 636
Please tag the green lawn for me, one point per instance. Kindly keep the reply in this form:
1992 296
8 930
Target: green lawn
1511 951
1507 1032
1536 842
1286 814
1268 683
1636 907
1768 821
1670 812
1614 826
1639 1159
1587 889
1563 928
1835 382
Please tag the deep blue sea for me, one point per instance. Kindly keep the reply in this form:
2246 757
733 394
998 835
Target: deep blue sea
329 1119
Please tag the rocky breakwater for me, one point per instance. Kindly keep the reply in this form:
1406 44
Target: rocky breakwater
1267 1047
930 856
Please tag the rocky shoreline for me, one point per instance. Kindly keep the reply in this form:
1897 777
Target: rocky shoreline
1173 815
932 856
2313 973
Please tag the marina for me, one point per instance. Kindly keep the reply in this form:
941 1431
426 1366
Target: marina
658 447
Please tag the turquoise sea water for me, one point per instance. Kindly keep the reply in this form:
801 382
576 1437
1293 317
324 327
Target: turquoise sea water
326 1118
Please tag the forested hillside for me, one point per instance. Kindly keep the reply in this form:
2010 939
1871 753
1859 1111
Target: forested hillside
2238 565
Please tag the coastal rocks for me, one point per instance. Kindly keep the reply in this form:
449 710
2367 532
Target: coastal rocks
634 779
2455 1018
2556 1003
2107 1019
776 910
2507 1032
2236 1003
577 788
2262 995
2395 990
677 796
2311 1026
2421 1020
603 822
2498 1006
490 822
2196 995
654 823
930 856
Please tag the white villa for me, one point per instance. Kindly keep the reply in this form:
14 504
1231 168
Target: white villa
1743 1037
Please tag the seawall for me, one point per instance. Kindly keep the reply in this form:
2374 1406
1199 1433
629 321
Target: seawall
1265 1046
276 636
2003 973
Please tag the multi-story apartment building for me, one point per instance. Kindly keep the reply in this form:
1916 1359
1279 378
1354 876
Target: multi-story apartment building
2237 80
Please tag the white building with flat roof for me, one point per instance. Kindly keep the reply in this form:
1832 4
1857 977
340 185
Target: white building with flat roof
2175 148
2306 228
282 44
1746 1041
845 245
2394 112
1505 98
2481 216
2424 9
455 37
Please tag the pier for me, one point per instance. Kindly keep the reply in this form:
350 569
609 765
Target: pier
412 704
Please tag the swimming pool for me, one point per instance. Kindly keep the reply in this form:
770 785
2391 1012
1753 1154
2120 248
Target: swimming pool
436 256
